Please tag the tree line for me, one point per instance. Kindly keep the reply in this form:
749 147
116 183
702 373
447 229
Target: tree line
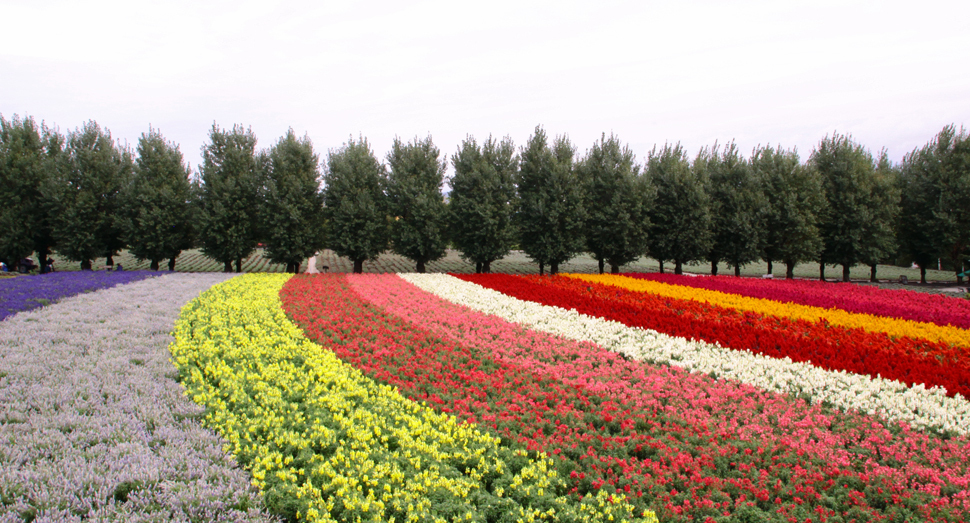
85 196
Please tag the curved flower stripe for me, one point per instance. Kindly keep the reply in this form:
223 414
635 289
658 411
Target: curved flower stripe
325 443
929 408
24 293
903 304
452 379
711 418
911 361
891 326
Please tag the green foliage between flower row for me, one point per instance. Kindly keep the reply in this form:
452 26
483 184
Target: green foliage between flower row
326 443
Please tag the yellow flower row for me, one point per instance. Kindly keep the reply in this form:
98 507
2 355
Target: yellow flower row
891 326
326 443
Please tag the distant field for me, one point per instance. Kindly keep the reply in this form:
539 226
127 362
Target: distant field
518 263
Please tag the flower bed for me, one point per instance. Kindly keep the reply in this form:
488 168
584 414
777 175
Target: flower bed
688 446
323 441
30 292
832 347
93 425
893 327
902 303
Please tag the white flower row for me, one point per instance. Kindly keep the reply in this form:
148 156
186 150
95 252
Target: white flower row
890 399
94 425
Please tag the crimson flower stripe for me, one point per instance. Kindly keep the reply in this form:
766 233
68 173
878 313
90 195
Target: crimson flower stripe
907 360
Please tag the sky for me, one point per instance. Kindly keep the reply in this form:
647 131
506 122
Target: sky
890 74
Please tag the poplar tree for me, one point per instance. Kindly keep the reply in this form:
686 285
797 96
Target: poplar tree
935 183
879 235
355 205
549 208
680 220
415 201
86 225
617 200
228 196
850 182
157 213
481 199
794 202
737 205
292 204
22 179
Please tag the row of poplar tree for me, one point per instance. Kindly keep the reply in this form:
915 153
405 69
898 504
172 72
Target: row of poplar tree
84 196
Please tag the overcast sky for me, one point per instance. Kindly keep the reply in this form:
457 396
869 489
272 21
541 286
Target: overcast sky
891 74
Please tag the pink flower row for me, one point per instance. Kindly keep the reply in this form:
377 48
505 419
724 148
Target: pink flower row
902 304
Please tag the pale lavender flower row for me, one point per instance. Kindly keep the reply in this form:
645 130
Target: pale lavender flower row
93 424
23 293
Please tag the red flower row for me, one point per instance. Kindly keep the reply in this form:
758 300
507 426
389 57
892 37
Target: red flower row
902 304
830 347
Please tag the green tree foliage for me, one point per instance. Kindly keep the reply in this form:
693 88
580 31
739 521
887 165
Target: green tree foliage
737 207
24 184
481 201
680 220
355 203
879 238
292 204
617 200
935 217
794 202
95 171
157 212
549 208
849 180
415 201
228 197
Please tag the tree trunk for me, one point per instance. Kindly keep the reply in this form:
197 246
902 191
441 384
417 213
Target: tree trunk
713 268
228 267
420 268
614 269
42 258
154 265
86 265
487 267
789 270
358 266
109 260
678 267
542 268
238 264
922 274
845 272
171 263
661 266
959 270
872 273
478 267
737 271
770 267
554 268
602 264
821 271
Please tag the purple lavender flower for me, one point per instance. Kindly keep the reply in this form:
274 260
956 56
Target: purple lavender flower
24 293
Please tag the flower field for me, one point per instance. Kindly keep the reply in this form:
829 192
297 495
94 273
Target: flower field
488 397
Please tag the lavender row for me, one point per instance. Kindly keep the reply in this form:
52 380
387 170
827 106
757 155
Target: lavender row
93 423
24 293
